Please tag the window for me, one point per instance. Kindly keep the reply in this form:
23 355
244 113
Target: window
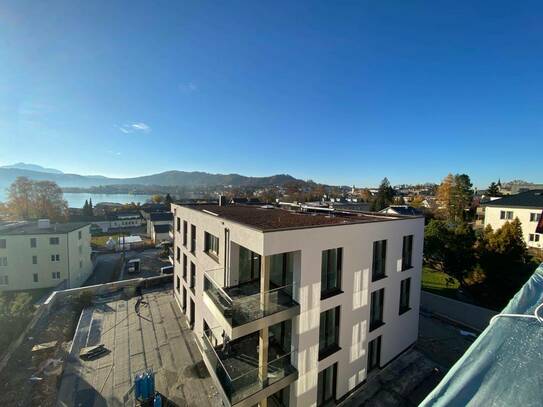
331 272
192 317
34 259
178 224
376 311
506 215
177 283
4 280
404 295
185 267
80 264
55 257
379 260
184 300
326 385
2 243
178 254
55 275
33 242
534 237
192 276
185 232
211 244
4 261
534 217
374 353
407 252
54 240
329 332
192 238
79 235
35 277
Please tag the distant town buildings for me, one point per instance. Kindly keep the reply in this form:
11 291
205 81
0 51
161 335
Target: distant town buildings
40 254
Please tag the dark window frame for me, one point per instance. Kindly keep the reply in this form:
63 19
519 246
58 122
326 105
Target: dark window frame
374 354
185 266
185 232
377 299
33 242
326 291
211 240
3 243
192 277
407 252
332 347
193 239
324 374
379 248
405 296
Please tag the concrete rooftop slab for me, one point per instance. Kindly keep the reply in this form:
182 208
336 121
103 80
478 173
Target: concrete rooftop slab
158 338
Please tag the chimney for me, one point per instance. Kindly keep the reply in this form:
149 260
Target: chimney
222 200
43 224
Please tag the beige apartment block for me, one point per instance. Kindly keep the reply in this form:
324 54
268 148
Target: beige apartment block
41 254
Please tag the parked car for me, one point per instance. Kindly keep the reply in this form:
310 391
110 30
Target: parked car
166 270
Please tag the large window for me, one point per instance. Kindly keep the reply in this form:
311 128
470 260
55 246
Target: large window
281 269
331 272
192 238
184 300
178 224
178 254
326 385
4 280
534 217
177 283
185 232
404 295
33 242
211 244
374 353
376 310
249 265
34 259
329 332
54 240
407 252
4 261
185 267
2 243
379 260
192 276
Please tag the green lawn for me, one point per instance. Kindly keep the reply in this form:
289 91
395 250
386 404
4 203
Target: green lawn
436 282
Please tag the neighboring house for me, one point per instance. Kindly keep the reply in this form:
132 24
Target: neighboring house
405 210
158 218
310 303
41 254
161 233
115 221
526 206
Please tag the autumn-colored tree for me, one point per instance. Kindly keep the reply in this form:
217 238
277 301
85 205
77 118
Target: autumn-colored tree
157 198
454 196
20 198
443 194
416 202
30 199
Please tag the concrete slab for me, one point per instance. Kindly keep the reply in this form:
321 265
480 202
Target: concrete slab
158 338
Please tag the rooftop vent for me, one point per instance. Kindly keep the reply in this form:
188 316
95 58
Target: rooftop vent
43 224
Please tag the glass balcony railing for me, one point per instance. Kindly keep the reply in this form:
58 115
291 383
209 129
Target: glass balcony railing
245 303
237 371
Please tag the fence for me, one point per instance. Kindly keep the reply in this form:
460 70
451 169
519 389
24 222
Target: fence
469 315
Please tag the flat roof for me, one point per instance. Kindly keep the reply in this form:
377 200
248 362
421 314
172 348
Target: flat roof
158 338
31 228
267 218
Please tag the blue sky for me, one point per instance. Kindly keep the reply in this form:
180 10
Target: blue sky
338 92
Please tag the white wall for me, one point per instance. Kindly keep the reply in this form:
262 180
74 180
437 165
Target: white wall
492 218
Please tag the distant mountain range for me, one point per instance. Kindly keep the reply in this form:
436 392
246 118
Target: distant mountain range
166 179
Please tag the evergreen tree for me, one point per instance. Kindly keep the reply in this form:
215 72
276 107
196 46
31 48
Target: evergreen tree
86 208
493 189
91 209
168 200
384 197
461 197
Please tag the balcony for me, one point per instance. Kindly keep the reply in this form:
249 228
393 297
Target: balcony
235 370
242 307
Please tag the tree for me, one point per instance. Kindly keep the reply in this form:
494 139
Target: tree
493 189
20 198
168 200
86 207
461 197
36 199
416 202
448 247
91 208
157 198
384 197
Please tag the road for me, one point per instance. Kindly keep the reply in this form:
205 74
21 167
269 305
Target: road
104 271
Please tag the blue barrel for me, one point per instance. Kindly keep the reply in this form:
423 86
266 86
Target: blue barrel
138 386
158 401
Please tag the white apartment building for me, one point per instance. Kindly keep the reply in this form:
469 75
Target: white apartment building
526 206
41 254
296 308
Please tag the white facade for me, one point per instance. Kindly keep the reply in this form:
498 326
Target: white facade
306 246
36 258
497 216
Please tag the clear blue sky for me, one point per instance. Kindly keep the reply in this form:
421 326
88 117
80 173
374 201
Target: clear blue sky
339 92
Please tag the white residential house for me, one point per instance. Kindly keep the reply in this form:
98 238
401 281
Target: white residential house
41 254
526 206
296 308
158 226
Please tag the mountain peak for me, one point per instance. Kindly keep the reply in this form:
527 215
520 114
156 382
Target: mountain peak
33 167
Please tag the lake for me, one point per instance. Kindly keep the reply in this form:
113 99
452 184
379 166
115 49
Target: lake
77 199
